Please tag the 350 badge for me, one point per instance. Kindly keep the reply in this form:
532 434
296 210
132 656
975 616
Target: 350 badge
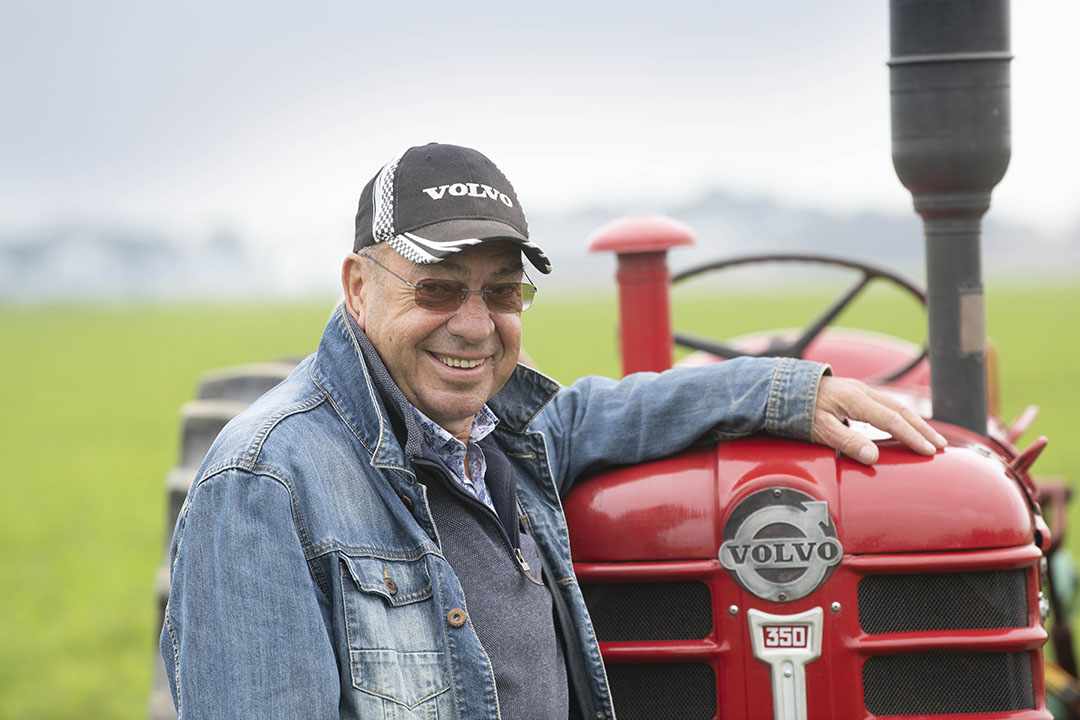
785 636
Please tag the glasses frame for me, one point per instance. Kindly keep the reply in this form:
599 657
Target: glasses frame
526 297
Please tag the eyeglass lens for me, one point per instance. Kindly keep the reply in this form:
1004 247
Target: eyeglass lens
447 295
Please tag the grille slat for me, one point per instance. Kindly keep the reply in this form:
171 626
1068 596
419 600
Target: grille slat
625 612
663 691
948 682
943 601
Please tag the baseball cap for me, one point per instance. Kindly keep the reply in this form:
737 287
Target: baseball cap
434 200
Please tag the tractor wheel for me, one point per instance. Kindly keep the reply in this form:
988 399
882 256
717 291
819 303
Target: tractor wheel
221 396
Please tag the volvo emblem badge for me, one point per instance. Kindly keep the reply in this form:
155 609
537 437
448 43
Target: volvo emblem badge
780 544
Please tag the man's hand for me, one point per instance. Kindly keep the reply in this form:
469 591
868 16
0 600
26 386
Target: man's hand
842 398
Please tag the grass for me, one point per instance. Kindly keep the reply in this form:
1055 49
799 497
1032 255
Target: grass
89 428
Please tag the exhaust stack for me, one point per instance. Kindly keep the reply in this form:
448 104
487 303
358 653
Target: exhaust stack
949 82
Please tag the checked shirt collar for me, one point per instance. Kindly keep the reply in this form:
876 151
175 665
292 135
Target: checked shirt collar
453 452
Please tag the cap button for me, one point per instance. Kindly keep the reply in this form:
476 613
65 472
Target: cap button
391 586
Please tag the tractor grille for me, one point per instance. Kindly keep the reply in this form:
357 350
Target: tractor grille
663 691
943 601
625 612
915 683
948 682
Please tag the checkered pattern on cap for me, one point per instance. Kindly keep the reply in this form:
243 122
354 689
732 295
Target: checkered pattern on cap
382 196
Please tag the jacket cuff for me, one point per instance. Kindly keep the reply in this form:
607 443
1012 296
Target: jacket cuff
789 411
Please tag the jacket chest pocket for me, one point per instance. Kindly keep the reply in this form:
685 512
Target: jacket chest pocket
396 651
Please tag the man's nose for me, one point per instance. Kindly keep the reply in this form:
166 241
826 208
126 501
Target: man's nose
472 321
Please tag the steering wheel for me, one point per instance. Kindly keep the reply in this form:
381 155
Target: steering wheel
779 347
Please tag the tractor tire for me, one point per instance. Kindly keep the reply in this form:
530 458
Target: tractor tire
221 396
244 383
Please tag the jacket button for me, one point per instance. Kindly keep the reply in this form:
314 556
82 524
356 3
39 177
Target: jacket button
456 617
407 500
391 586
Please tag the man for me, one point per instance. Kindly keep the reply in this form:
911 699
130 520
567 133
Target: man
381 535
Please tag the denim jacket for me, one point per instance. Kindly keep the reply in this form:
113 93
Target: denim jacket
307 576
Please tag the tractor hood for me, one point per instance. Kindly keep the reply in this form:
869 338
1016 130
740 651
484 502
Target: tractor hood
685 507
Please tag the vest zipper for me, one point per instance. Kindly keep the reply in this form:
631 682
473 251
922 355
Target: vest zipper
510 544
525 569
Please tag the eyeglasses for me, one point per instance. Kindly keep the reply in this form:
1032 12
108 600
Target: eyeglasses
449 295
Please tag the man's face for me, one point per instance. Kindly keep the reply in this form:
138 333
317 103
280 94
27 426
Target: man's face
448 363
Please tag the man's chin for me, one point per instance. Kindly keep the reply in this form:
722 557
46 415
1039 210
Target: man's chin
450 407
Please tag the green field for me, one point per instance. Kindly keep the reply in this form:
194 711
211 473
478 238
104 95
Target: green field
89 429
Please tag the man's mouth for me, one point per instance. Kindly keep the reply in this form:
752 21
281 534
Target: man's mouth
460 362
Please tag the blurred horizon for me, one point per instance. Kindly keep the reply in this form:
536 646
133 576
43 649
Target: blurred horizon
226 146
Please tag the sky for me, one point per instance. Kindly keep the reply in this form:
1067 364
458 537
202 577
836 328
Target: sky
266 118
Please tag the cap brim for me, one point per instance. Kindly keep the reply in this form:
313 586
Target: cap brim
438 241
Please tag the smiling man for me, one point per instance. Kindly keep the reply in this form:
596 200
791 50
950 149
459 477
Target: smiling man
381 535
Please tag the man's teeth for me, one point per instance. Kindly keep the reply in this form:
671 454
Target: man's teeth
459 363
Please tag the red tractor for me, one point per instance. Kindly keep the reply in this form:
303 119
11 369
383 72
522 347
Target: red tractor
762 578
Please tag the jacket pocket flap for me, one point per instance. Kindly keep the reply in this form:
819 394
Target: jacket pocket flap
399 582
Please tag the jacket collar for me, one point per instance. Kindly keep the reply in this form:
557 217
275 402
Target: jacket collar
352 374
522 398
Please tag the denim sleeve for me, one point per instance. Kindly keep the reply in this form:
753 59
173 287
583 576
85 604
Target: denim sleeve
244 632
599 421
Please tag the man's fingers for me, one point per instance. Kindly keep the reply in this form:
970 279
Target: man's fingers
901 422
838 436
840 399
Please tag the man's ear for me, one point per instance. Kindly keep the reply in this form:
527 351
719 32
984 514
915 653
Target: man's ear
352 282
